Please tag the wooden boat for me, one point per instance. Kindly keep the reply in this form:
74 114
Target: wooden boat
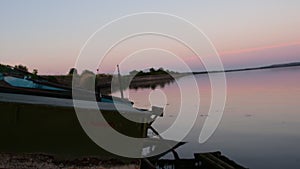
39 116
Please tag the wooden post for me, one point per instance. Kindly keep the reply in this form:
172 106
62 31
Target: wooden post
120 82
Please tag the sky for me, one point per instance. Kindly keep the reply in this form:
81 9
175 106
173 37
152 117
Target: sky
48 34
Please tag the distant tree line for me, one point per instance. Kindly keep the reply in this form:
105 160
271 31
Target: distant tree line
74 71
151 71
22 68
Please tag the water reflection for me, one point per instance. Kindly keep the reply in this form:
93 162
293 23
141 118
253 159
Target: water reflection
134 84
261 121
151 84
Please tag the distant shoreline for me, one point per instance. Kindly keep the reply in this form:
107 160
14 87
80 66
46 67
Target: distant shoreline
293 64
104 82
107 84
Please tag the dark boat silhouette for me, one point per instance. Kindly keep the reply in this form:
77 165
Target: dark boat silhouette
39 116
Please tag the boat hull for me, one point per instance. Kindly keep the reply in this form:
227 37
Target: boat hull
46 128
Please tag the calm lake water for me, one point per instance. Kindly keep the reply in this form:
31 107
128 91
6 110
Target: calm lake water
260 127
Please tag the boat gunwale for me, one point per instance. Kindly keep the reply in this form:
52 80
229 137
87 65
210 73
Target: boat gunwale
69 103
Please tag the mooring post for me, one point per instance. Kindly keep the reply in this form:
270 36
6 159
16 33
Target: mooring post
120 82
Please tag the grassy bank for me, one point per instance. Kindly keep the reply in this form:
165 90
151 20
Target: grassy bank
110 83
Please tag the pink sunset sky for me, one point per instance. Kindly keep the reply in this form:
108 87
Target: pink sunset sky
48 35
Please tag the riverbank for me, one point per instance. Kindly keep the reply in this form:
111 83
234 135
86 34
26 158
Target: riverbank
30 161
110 83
